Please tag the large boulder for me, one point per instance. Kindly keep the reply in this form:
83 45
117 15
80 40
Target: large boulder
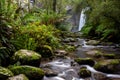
33 73
108 66
26 57
85 61
5 73
18 77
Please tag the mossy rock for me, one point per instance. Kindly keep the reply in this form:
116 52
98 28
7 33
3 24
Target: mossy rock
84 73
108 66
85 61
5 73
33 73
93 42
109 56
18 77
94 53
26 57
45 51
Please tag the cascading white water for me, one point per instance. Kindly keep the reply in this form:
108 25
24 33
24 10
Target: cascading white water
82 19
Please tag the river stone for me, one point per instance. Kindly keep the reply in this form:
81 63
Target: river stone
85 61
99 76
93 42
84 73
18 77
49 72
60 53
108 66
94 53
5 73
67 40
27 57
33 73
109 56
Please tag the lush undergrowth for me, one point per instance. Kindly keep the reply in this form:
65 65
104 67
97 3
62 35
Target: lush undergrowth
27 29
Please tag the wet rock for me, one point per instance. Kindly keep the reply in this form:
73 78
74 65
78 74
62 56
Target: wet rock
49 72
93 42
94 53
108 66
113 79
84 73
26 57
60 53
85 61
67 40
33 73
18 77
73 40
5 73
99 76
109 56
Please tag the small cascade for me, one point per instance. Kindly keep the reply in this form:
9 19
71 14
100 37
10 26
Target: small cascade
82 19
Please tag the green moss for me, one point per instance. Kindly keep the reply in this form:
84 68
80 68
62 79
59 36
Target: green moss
5 73
109 56
33 73
18 77
85 61
98 54
46 51
27 57
108 66
84 73
115 62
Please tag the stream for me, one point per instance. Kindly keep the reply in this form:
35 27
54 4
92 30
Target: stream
67 68
65 71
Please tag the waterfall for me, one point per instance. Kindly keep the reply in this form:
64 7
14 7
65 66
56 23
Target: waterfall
82 19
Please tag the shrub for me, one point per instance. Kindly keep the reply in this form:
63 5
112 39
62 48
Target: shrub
32 36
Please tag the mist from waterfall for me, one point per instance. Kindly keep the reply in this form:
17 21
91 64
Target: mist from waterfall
82 19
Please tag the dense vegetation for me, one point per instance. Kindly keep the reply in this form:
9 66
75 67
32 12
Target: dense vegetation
103 19
23 26
30 26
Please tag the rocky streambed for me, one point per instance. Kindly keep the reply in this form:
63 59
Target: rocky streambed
92 61
79 59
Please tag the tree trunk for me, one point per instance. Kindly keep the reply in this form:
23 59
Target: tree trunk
54 5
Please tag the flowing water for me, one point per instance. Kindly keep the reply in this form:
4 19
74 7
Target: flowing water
82 19
66 71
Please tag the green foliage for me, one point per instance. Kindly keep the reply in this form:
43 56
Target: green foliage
32 36
4 54
5 73
86 30
104 19
64 26
52 18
